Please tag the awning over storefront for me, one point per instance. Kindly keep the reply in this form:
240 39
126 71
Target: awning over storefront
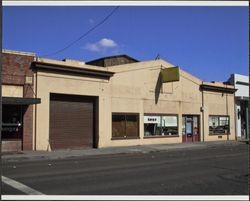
20 101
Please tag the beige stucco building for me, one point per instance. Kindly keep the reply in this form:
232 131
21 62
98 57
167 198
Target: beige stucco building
119 101
128 104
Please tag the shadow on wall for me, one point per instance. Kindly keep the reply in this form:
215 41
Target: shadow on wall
158 88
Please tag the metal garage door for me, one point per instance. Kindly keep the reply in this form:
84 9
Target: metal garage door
71 121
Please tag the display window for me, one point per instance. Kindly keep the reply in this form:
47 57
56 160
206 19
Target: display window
125 126
12 126
160 125
219 124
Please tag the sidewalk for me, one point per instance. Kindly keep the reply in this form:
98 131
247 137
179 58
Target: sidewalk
68 153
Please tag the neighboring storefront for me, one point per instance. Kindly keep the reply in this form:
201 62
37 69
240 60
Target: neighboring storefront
120 101
18 100
241 83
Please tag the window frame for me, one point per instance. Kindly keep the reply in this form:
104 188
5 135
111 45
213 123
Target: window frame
12 134
161 115
125 137
212 134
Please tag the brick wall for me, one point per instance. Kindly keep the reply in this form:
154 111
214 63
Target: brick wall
12 145
15 68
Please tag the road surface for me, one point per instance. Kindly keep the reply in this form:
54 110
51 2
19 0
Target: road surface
215 170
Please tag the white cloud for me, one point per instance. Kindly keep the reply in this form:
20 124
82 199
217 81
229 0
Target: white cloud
105 42
102 45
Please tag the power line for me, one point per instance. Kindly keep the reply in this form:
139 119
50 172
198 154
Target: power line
85 34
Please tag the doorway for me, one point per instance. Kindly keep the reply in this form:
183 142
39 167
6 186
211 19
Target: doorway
72 121
190 128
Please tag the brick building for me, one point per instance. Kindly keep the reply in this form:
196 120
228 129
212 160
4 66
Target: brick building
18 99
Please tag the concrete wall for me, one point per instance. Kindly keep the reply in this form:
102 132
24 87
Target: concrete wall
55 83
12 91
219 104
133 89
242 90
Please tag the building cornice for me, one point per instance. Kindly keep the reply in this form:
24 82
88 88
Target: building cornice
48 67
206 87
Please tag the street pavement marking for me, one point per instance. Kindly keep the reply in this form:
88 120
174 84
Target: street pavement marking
21 187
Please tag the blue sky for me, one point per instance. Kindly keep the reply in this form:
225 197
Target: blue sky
208 42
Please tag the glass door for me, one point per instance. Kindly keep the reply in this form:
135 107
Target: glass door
190 128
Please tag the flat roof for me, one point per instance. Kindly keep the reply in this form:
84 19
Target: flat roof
18 52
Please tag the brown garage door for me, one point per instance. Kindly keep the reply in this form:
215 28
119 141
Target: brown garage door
71 121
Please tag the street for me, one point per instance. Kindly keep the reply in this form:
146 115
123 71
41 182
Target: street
215 170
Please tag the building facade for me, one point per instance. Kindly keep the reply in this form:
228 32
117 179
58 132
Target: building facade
241 83
18 100
123 102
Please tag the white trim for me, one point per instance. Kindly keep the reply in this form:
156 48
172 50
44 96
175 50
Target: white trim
104 197
123 3
18 52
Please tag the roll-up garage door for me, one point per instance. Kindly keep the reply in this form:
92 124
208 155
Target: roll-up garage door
71 121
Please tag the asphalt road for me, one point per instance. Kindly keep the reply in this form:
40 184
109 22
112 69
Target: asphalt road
215 170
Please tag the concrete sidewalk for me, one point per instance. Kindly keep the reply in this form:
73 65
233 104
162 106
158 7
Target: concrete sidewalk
68 153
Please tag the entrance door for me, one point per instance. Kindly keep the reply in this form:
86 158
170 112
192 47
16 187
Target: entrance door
190 128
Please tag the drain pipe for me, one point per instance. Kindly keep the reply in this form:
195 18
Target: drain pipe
203 123
35 134
227 114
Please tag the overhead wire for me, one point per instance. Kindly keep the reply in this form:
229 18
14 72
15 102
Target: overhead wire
85 34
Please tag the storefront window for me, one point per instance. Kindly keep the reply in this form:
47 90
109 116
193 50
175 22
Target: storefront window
164 125
125 125
218 124
12 122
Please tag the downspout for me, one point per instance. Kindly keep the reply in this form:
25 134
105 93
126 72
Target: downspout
235 118
203 121
35 136
227 114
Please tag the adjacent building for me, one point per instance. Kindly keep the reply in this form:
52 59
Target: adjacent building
120 101
18 96
241 83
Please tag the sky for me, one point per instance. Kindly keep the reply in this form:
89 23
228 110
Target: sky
209 42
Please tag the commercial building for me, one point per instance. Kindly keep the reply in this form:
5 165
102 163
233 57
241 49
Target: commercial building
241 83
120 101
18 100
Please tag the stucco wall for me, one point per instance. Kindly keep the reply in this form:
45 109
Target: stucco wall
54 83
219 104
133 89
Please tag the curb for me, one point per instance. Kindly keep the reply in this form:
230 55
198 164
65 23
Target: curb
143 149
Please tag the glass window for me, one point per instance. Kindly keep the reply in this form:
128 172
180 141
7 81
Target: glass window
218 124
12 122
125 125
164 125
